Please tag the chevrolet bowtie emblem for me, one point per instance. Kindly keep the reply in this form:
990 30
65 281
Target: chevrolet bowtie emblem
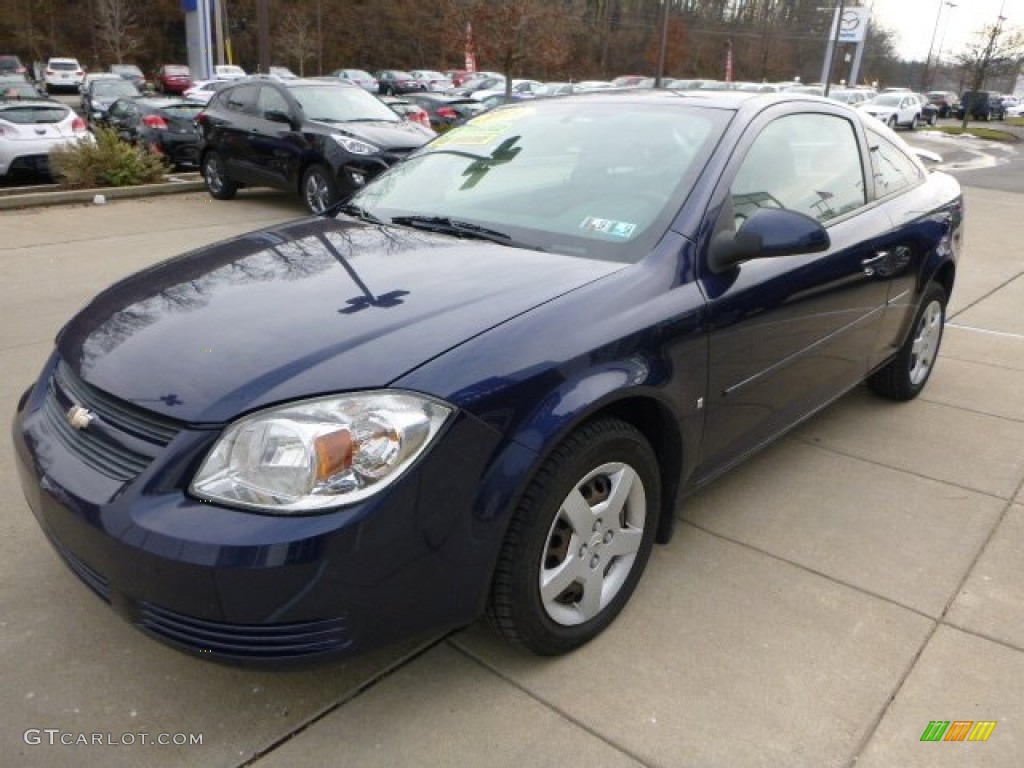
79 417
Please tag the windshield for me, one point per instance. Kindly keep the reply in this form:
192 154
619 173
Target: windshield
336 103
113 88
888 99
185 110
126 69
583 178
176 70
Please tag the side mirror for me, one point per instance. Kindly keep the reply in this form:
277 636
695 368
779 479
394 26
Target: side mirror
277 116
768 233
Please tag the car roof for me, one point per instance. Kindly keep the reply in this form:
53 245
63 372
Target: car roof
292 82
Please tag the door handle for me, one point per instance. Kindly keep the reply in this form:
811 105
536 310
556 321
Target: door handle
868 264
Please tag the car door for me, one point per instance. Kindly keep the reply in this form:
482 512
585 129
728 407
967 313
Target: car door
234 120
274 145
790 334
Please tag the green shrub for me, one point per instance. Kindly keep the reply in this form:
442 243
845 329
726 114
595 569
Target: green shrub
107 162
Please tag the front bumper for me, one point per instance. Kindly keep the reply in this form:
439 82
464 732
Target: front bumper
236 586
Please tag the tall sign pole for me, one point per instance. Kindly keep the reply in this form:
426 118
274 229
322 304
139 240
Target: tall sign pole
263 22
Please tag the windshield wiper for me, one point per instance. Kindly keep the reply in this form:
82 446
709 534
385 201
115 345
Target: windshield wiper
452 227
354 211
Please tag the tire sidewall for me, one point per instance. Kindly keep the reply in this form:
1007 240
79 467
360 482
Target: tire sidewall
331 183
905 358
624 445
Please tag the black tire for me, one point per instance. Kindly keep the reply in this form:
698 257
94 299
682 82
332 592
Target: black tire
903 377
319 189
592 552
892 122
913 123
218 183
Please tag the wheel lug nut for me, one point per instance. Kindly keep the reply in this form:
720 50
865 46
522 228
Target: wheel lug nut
595 561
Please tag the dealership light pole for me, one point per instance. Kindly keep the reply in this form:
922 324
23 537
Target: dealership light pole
664 42
942 40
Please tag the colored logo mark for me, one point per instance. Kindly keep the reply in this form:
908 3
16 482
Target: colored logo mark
958 730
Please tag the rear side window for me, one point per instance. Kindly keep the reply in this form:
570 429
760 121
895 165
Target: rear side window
892 168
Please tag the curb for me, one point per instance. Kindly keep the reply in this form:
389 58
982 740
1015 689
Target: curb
36 199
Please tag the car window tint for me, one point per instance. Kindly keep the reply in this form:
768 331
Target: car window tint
893 170
271 99
808 163
242 98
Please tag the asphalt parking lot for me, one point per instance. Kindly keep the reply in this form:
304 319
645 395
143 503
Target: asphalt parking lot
819 606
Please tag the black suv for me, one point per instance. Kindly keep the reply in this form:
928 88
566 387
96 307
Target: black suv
322 139
981 105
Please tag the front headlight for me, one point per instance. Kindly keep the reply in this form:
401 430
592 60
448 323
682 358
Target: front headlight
355 146
319 453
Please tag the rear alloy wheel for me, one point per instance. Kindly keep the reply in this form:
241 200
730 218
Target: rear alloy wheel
579 541
215 175
319 192
905 375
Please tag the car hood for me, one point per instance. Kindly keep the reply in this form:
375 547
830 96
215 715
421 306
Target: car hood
388 135
311 307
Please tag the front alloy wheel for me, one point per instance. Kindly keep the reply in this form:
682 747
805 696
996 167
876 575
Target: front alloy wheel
319 191
579 541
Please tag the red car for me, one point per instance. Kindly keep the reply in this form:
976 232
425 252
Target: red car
173 78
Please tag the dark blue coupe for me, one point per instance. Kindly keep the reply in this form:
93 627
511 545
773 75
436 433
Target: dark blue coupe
486 382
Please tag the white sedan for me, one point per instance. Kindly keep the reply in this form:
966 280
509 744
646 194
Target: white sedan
203 90
30 129
895 109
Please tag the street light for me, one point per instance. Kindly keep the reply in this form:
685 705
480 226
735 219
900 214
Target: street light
931 45
945 28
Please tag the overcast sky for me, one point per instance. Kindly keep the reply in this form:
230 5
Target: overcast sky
914 22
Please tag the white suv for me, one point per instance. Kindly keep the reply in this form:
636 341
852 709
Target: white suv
63 73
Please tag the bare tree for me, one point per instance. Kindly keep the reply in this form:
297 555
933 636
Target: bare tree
117 29
995 52
296 35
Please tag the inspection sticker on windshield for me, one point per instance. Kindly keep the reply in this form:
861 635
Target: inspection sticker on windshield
608 226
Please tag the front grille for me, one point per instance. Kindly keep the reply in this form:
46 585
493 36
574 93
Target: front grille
105 457
121 444
118 413
246 641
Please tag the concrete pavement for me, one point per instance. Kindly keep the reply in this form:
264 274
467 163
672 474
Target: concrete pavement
819 606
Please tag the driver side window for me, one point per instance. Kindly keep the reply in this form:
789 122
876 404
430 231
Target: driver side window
270 99
808 163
